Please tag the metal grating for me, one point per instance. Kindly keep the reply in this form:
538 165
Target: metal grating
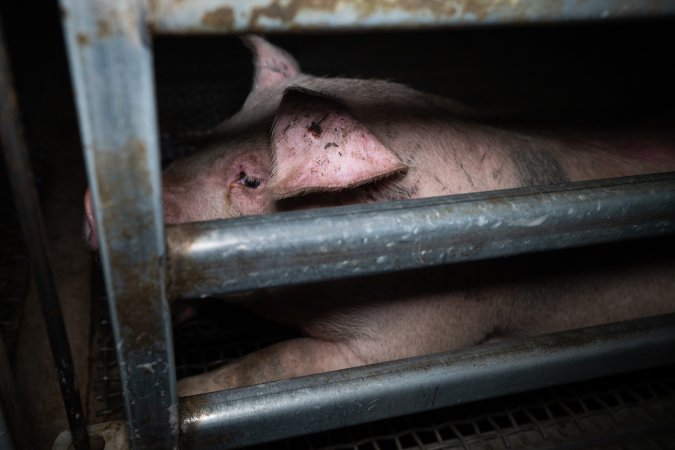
189 126
189 110
234 334
599 412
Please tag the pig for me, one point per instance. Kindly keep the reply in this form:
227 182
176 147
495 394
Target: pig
301 141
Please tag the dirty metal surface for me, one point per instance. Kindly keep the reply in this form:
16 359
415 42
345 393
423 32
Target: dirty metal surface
327 244
630 411
331 400
108 435
233 16
634 411
111 68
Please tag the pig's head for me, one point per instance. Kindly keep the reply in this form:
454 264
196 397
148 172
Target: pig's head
287 140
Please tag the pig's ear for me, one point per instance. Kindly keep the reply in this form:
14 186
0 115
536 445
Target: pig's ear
318 145
272 65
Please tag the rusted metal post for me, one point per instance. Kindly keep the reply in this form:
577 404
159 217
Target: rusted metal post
32 225
110 55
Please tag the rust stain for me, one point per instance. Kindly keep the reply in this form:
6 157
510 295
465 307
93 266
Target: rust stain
83 39
221 18
153 6
103 28
481 10
138 276
184 274
137 303
191 410
120 21
287 12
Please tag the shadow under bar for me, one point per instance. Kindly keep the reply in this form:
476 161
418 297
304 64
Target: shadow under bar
235 16
248 253
272 411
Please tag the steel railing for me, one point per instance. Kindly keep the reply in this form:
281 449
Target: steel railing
109 47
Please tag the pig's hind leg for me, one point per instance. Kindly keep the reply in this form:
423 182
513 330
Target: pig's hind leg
288 359
348 338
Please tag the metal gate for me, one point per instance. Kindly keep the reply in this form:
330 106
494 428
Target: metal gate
109 46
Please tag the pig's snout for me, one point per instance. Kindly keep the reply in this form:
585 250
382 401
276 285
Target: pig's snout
172 212
89 226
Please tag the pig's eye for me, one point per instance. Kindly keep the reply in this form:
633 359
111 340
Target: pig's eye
248 181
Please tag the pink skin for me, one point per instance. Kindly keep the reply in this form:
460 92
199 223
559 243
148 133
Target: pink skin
354 141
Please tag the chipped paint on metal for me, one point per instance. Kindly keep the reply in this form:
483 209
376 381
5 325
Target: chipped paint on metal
235 16
222 18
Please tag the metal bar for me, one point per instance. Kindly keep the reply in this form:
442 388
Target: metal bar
111 66
256 414
235 16
32 225
303 246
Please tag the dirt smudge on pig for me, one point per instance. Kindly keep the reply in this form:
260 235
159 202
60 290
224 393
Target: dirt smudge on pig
315 130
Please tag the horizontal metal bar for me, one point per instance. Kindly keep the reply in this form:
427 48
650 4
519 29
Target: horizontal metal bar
256 414
110 56
236 16
304 246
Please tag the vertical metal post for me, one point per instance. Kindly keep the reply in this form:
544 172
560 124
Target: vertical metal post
32 225
12 427
110 55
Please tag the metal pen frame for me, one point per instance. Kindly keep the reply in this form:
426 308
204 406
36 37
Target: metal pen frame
27 205
307 246
256 414
110 57
267 16
110 54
